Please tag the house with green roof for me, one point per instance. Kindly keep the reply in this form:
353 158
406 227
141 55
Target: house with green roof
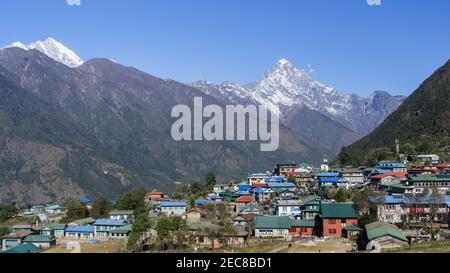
56 230
82 222
121 232
337 217
127 215
272 226
382 235
22 249
311 207
228 196
41 241
421 183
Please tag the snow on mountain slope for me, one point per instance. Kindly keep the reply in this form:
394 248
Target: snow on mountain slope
54 49
291 89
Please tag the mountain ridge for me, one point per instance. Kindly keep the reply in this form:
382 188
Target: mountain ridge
289 91
421 123
120 139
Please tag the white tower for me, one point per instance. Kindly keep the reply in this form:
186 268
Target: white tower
324 167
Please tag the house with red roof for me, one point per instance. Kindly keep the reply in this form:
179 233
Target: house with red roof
154 195
387 177
243 201
428 169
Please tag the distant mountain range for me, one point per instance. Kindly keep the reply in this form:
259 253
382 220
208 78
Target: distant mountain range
71 128
316 111
421 123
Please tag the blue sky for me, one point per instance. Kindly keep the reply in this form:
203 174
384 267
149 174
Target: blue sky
352 46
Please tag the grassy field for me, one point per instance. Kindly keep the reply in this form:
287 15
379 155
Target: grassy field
327 246
103 247
436 247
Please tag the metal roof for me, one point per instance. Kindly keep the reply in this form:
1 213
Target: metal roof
303 223
39 238
110 222
380 229
275 222
280 185
121 212
23 249
81 229
339 210
173 204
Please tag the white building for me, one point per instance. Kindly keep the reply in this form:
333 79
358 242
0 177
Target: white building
429 158
288 208
354 176
175 208
272 226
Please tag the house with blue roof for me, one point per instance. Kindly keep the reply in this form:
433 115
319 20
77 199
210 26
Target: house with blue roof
326 174
104 226
244 188
80 232
87 201
173 208
389 208
242 193
335 181
392 167
262 195
275 185
54 209
395 209
215 197
203 202
275 179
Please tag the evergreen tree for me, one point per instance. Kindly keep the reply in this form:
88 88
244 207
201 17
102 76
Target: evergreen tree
101 208
7 212
210 180
341 196
75 210
196 188
132 241
134 200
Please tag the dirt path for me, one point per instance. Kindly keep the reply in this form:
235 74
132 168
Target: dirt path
75 246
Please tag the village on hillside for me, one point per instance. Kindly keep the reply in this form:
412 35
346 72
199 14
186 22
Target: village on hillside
292 208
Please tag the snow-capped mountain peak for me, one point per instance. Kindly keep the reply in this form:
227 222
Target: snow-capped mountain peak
18 45
284 63
53 49
284 89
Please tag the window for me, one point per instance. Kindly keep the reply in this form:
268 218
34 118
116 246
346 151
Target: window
332 221
332 231
303 230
